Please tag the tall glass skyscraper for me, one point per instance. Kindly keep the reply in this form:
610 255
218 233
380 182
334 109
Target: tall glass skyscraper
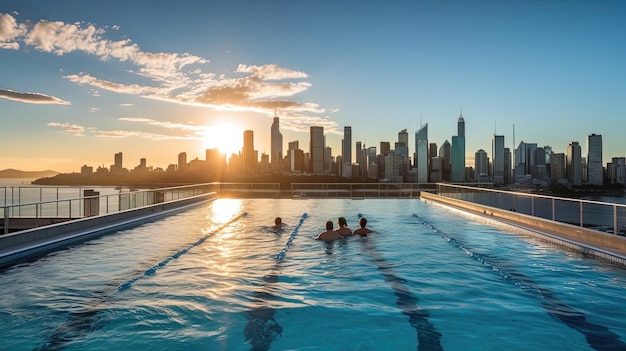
497 164
276 146
346 153
574 164
421 154
595 172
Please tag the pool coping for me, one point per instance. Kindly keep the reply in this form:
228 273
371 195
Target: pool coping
588 242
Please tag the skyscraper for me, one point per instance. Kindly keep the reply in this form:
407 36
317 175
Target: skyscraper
248 152
481 165
457 155
276 146
316 145
497 162
403 138
457 159
595 172
346 152
182 161
444 153
421 154
574 164
117 166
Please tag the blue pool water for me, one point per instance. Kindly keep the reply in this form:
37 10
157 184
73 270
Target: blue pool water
214 278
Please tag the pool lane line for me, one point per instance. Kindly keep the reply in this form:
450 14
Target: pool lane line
428 337
152 270
281 255
262 329
598 337
83 322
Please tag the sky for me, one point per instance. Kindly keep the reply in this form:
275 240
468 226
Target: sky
83 80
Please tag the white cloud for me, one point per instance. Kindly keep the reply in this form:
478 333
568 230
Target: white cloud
171 77
9 30
271 72
73 129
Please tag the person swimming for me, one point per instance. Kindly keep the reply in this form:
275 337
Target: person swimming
343 229
329 234
278 224
363 230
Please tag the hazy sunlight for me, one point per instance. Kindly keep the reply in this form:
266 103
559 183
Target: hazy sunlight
228 138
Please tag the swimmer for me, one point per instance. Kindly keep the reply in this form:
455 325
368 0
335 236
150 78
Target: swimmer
278 224
343 229
329 234
363 231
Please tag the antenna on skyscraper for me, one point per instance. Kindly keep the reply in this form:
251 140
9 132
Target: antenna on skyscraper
421 125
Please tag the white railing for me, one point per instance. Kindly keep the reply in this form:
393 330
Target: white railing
21 205
602 216
359 190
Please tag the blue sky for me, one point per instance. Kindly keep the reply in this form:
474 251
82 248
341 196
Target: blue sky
82 80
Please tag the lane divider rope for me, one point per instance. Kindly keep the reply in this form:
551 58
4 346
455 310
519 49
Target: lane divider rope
281 255
152 270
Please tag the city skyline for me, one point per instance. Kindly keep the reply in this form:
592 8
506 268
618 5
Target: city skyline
81 84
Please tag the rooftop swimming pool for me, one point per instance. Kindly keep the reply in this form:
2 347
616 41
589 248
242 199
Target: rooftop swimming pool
216 278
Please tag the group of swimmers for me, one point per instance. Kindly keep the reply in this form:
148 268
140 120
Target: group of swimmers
343 231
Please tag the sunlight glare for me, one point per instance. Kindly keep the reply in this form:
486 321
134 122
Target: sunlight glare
228 138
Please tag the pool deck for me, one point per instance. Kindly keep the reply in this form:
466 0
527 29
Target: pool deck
589 242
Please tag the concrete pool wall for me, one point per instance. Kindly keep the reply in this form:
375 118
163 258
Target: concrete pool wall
31 243
587 241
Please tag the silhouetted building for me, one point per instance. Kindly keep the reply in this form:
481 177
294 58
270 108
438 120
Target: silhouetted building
276 145
481 166
248 152
595 172
182 161
316 145
574 164
497 163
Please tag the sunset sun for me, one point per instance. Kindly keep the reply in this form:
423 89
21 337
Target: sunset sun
228 138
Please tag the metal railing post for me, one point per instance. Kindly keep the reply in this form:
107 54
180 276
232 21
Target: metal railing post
6 220
581 213
615 219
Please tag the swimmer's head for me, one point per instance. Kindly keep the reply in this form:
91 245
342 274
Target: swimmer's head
329 225
362 221
278 221
342 221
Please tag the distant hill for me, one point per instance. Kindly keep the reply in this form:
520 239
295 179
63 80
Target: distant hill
14 173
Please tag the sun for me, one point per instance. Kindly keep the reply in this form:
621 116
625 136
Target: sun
226 137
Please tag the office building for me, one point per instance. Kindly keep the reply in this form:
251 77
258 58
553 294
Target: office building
558 167
574 164
248 153
421 154
444 153
182 161
457 159
617 171
481 166
595 172
346 152
276 145
316 152
497 162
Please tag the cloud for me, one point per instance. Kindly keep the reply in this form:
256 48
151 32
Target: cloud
172 77
73 129
271 72
164 124
31 98
9 30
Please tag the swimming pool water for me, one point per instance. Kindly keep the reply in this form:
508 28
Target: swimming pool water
211 278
